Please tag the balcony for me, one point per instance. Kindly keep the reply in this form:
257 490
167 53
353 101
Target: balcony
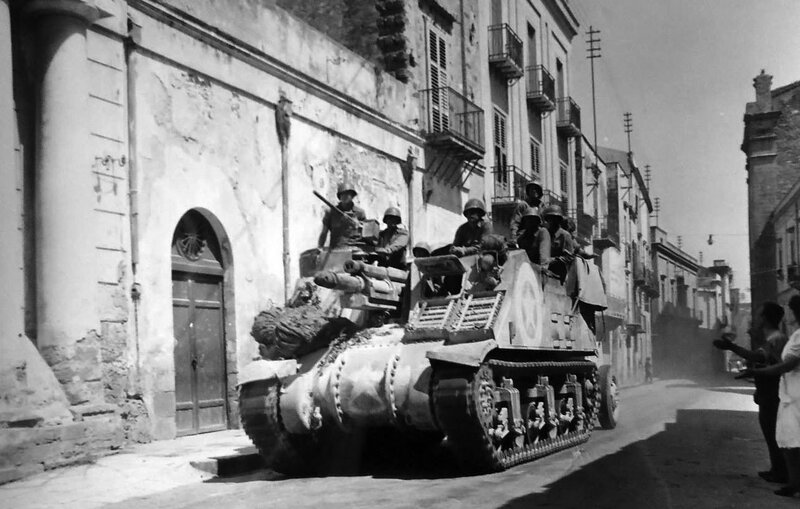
505 52
607 237
793 276
551 198
540 89
586 224
452 123
568 122
509 184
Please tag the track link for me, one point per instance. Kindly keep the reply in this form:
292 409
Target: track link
464 409
261 420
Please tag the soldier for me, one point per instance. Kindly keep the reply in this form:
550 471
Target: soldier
470 234
392 240
533 198
562 248
342 230
534 239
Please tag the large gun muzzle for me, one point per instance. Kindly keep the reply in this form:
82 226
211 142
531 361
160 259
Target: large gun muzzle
339 281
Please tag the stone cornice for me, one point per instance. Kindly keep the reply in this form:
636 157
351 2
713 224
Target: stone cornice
87 10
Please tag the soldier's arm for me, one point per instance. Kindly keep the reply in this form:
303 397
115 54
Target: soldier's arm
399 242
544 247
323 236
516 219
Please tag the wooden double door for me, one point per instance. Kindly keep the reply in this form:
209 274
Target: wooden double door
200 377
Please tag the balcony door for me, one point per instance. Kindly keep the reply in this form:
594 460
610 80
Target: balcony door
438 81
502 180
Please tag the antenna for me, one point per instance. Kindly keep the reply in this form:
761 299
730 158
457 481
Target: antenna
594 52
629 127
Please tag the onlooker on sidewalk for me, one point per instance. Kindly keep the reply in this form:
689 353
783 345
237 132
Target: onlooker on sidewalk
648 371
787 432
765 329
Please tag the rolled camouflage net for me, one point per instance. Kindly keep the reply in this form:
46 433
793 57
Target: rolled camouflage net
287 333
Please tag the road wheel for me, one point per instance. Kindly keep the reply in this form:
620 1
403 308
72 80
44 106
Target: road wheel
609 398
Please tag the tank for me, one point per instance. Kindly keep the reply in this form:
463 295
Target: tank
489 350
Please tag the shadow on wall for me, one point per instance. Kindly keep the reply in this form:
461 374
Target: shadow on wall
704 459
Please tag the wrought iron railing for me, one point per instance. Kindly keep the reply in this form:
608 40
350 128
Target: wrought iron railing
504 44
509 183
540 83
448 113
569 113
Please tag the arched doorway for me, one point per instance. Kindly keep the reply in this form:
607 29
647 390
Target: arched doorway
198 309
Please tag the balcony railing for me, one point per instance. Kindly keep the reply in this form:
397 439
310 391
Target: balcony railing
452 122
509 183
540 88
505 51
551 198
569 117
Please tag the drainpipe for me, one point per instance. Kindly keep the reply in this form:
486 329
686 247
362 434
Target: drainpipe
283 124
130 42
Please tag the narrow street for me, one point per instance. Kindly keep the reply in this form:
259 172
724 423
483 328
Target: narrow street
680 443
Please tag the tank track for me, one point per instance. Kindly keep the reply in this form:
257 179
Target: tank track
260 415
463 412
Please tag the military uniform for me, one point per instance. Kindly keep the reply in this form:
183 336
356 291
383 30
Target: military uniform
536 242
519 211
342 231
470 236
394 242
562 244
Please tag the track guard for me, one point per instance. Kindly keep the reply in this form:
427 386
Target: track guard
465 354
264 370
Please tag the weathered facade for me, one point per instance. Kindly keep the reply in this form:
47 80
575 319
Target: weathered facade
163 156
771 125
628 264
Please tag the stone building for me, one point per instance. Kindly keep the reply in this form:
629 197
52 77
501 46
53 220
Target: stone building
627 265
676 318
785 222
771 125
162 155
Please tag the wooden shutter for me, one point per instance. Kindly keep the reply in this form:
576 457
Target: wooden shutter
500 146
437 64
536 157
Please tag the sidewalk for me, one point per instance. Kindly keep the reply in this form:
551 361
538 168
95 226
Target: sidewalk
137 471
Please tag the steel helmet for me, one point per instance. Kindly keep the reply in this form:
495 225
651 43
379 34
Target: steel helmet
475 204
422 246
392 212
532 212
345 187
534 185
552 210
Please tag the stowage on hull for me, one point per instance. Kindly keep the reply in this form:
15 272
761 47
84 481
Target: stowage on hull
500 359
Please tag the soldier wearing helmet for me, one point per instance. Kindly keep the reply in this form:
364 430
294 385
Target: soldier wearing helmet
470 234
342 229
392 240
533 198
562 249
533 238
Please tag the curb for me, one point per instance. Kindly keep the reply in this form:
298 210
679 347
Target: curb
231 465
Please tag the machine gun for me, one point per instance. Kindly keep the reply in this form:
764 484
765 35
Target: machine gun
367 230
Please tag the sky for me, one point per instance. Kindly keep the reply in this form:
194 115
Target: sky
684 69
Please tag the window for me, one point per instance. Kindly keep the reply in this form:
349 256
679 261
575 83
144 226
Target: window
536 156
780 254
437 75
792 238
564 178
500 146
560 85
531 45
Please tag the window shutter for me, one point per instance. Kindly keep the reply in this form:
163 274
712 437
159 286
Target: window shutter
437 63
536 157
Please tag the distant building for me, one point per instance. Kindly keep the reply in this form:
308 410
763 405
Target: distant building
675 317
628 264
771 126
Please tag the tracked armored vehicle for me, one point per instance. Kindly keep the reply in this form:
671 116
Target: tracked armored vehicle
495 354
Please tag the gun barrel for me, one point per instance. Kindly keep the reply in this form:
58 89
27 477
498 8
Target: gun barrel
335 208
358 267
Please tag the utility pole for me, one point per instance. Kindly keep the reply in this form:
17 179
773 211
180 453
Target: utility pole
657 208
594 52
629 127
647 177
680 242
